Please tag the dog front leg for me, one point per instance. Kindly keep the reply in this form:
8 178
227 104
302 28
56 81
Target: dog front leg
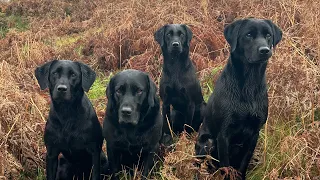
189 118
223 149
114 162
148 162
166 114
248 155
52 162
96 164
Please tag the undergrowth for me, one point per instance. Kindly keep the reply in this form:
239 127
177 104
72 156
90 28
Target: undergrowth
111 36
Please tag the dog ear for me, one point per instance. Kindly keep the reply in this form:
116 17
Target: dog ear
88 76
152 92
42 74
189 33
159 35
276 31
110 90
110 95
231 33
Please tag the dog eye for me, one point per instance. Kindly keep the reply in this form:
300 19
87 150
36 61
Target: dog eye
118 91
169 34
139 91
73 75
268 36
249 35
55 73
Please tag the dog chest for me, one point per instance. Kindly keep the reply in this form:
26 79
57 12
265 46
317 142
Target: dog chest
179 86
250 114
68 136
177 80
175 94
246 120
132 140
245 126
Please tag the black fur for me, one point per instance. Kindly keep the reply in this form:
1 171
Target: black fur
72 128
179 85
238 107
132 125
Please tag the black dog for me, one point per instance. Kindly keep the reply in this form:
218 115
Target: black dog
238 107
179 85
72 128
132 125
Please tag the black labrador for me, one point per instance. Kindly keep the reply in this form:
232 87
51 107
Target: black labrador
72 128
238 107
179 85
133 124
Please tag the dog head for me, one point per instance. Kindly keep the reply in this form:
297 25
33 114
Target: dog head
131 93
174 38
205 145
66 79
253 38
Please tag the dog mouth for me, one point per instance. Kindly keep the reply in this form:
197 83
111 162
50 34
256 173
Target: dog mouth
61 96
265 56
128 121
175 50
260 60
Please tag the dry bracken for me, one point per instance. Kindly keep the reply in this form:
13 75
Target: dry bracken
114 35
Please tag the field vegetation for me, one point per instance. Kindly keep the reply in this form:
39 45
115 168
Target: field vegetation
114 35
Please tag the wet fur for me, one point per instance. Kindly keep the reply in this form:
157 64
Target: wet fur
238 107
179 85
129 145
72 127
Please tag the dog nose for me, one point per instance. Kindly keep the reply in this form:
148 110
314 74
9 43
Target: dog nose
175 44
62 88
264 50
126 111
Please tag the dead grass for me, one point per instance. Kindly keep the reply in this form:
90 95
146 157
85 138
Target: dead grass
116 35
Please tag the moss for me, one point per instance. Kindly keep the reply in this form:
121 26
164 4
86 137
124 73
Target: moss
98 89
18 22
208 84
15 22
41 174
67 40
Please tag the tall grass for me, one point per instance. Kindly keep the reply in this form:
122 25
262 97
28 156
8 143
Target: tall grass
115 35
